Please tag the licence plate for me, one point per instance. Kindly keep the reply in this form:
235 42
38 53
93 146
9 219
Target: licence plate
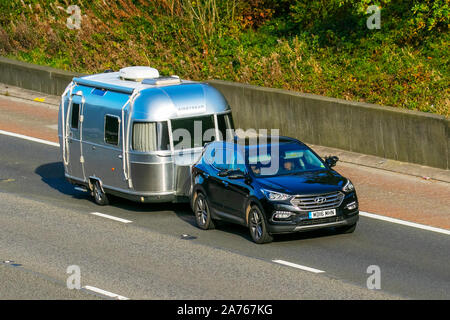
322 214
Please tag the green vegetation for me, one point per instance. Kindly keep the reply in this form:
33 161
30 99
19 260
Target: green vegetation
322 47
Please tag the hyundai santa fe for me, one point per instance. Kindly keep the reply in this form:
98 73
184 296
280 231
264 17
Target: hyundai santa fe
272 186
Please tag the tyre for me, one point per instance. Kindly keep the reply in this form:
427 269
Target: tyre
347 229
100 197
258 226
203 213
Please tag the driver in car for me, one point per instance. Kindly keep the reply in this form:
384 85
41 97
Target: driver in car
256 170
288 165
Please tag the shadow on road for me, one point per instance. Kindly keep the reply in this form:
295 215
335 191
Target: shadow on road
244 232
53 175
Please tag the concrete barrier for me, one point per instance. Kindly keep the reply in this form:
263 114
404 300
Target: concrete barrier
32 77
387 132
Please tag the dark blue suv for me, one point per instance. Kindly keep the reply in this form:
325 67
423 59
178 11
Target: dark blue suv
272 185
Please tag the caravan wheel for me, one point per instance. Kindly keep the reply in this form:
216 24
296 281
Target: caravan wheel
99 196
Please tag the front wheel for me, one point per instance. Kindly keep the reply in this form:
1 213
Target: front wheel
258 226
203 213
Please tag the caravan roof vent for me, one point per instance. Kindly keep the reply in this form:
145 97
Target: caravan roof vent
138 73
161 81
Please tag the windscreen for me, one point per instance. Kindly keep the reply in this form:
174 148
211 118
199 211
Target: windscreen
193 132
281 159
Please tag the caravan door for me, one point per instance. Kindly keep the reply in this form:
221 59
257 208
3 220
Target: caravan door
75 166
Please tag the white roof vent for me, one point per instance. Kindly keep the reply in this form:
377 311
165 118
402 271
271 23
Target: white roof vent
138 73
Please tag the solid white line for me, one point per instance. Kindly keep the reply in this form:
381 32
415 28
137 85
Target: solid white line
21 136
403 222
110 217
298 266
105 293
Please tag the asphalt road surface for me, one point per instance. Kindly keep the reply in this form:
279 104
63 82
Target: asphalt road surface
46 225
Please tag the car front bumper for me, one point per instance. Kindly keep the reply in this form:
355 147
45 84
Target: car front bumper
299 221
307 225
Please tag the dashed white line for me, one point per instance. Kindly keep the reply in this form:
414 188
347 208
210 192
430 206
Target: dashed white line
403 222
21 136
298 266
105 293
110 217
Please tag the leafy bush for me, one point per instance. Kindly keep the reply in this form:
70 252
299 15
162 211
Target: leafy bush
321 47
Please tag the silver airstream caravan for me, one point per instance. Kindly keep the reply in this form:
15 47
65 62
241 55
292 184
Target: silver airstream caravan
119 133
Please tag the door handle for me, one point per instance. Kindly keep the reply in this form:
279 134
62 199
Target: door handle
225 183
120 156
93 148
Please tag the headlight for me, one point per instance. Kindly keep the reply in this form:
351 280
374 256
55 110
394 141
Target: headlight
348 186
275 196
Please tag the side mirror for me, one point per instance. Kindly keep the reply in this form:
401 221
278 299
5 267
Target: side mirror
223 173
236 174
331 161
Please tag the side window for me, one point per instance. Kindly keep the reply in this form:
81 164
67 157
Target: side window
228 159
225 123
150 136
208 155
112 130
75 115
220 159
238 161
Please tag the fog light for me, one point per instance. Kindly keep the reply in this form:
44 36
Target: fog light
352 205
282 214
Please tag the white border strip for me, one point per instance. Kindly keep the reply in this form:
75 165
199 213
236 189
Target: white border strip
105 293
298 266
110 217
21 136
403 222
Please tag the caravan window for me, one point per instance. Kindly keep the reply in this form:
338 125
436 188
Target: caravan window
75 115
225 122
193 132
112 130
150 136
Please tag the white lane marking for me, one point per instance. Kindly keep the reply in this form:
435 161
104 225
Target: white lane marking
298 266
403 222
110 217
21 136
105 293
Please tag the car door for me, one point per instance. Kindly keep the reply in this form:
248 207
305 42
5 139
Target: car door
216 184
110 159
235 191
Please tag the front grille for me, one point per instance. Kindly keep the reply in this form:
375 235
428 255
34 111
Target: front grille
308 203
321 220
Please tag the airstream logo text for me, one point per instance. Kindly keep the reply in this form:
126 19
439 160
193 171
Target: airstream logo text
191 109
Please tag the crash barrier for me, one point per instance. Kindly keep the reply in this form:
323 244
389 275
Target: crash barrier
387 132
